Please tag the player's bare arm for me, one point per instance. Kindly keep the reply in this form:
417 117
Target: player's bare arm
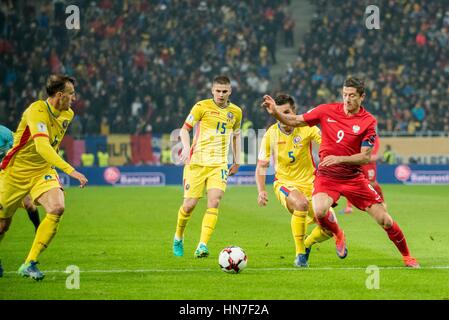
80 177
363 157
185 140
236 144
261 172
289 119
44 148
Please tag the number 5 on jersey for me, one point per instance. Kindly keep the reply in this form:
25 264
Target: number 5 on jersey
291 156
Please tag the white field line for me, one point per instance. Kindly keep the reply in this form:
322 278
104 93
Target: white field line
247 269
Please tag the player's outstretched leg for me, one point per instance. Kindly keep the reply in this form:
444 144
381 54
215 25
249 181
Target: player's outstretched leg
298 226
207 228
44 235
184 215
178 241
329 222
394 232
53 203
322 203
317 235
396 235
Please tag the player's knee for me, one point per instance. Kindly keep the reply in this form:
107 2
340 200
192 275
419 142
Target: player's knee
57 209
387 221
188 206
213 203
29 206
301 205
320 211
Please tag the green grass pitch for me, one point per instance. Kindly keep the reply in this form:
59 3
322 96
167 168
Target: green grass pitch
121 239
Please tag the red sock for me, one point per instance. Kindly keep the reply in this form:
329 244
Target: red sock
395 234
348 204
329 223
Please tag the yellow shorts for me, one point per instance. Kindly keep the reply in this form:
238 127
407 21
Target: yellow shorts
14 189
282 190
196 177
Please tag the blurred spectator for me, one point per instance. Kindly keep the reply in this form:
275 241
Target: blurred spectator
137 59
103 157
405 63
389 156
87 159
140 65
288 27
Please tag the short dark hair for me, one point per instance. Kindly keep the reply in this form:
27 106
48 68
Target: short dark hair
57 82
283 98
357 83
222 80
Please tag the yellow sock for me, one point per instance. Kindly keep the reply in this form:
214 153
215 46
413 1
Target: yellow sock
318 235
183 218
208 226
44 234
298 224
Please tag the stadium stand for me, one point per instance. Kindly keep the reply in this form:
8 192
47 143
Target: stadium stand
140 65
405 62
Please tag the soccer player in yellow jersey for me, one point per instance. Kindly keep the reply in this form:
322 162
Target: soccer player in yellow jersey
6 142
216 121
291 150
28 167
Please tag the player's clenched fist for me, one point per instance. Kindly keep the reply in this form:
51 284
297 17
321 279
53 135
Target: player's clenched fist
268 103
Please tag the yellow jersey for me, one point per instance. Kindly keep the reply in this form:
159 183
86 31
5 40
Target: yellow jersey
212 134
37 140
291 153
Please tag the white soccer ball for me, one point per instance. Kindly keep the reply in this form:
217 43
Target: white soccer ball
232 259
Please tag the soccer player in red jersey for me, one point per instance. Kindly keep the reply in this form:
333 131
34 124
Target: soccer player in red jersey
348 136
370 172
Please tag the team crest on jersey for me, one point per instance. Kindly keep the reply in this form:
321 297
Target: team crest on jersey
355 128
41 127
48 177
187 186
296 139
65 124
230 115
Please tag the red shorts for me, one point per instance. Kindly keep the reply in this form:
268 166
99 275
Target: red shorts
370 171
358 190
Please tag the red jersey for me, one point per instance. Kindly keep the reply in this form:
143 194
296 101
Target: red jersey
342 135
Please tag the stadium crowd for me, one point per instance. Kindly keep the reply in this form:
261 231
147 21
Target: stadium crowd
139 65
405 62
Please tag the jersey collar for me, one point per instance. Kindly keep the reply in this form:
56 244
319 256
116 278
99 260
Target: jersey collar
227 105
358 114
55 113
